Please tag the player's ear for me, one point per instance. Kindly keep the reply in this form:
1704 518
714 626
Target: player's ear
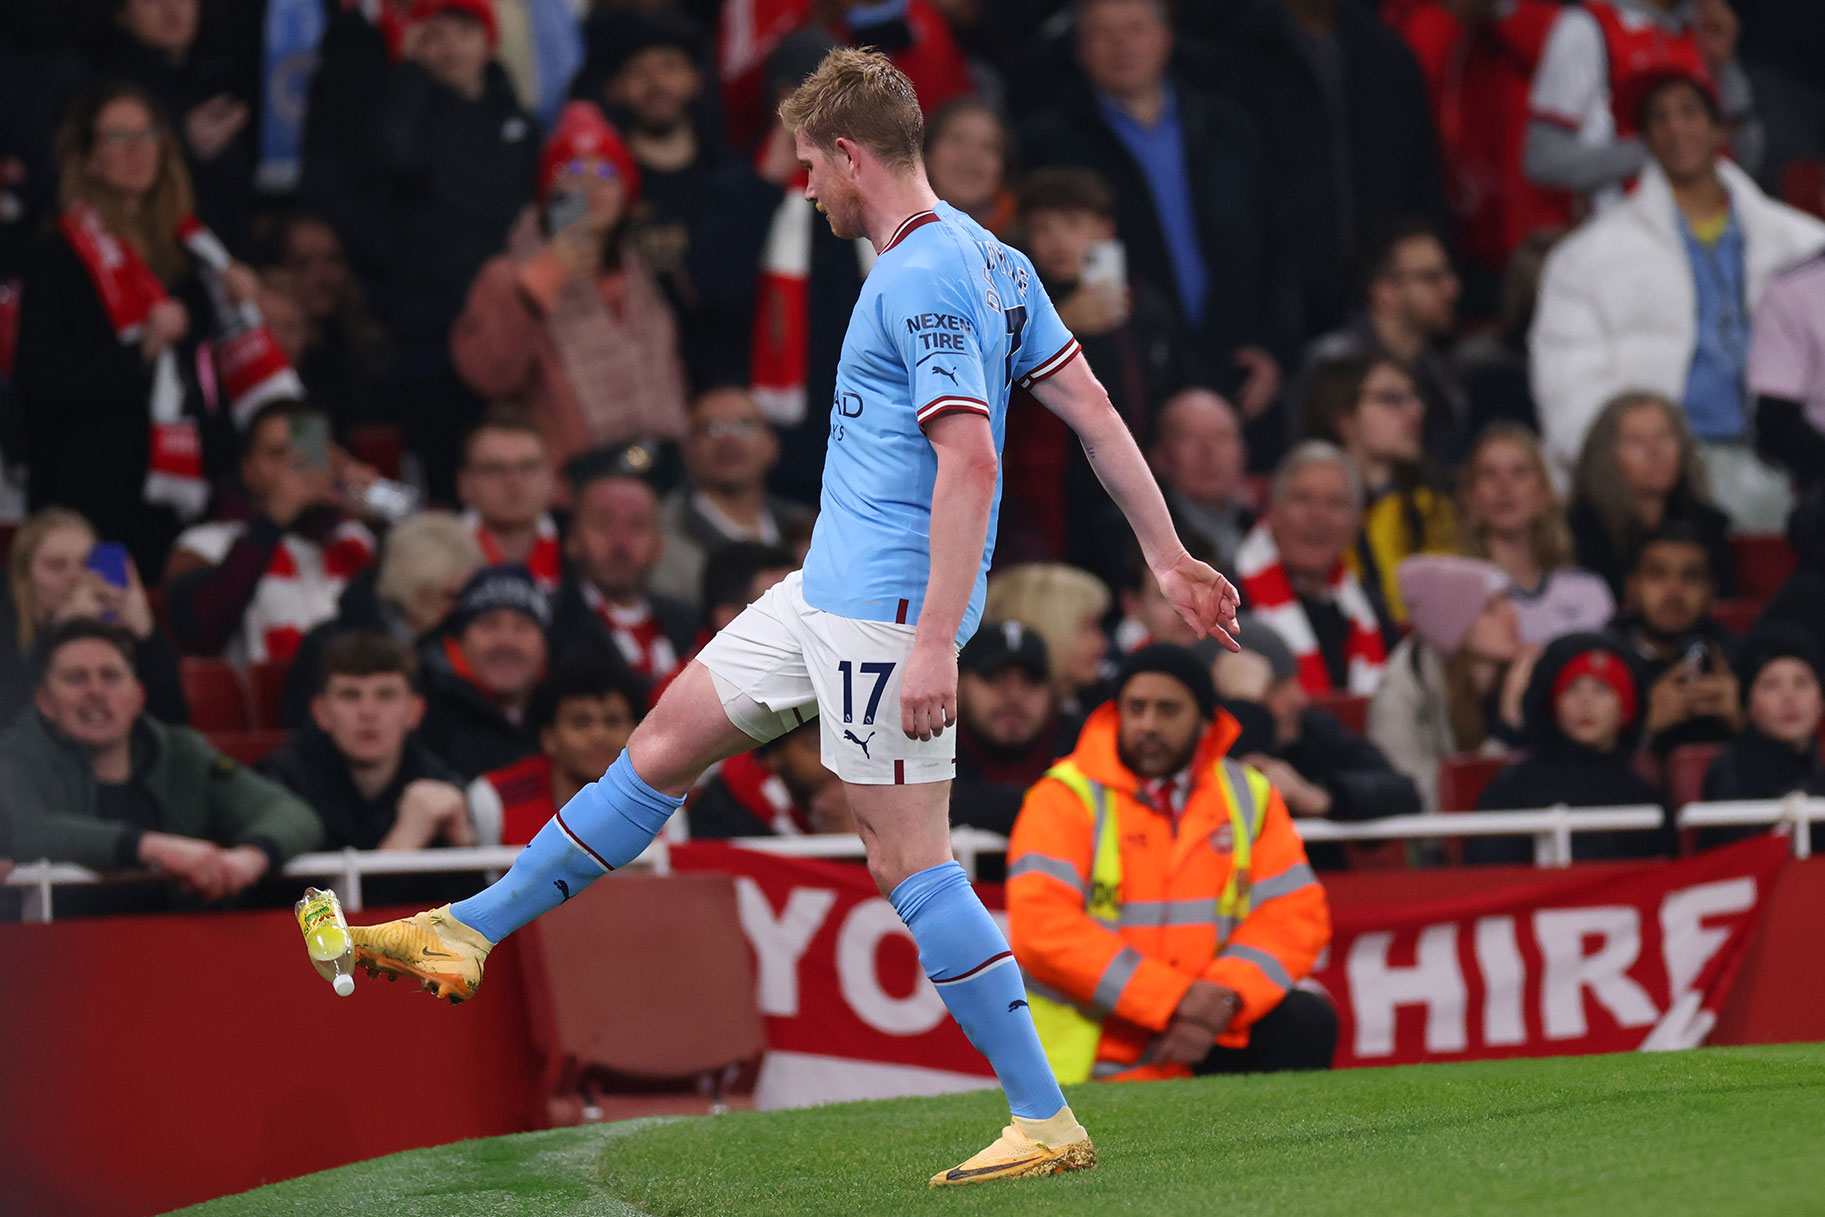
851 160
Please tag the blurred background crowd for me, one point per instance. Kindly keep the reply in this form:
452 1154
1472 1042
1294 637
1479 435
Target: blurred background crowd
396 394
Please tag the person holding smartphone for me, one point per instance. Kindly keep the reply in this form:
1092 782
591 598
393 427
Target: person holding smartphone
569 324
1692 694
58 571
251 588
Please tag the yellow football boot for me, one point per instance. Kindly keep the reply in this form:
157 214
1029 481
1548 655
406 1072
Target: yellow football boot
433 948
1027 1149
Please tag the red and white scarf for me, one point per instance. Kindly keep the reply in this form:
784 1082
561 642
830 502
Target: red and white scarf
636 631
782 326
300 590
545 562
1268 594
252 368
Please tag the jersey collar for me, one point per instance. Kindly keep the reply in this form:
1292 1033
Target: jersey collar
916 220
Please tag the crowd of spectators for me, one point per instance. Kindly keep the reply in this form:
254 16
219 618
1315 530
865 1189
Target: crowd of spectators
455 368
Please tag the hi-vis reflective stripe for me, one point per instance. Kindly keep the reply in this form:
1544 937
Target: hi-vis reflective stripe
1272 968
1287 881
1039 864
1150 913
1116 976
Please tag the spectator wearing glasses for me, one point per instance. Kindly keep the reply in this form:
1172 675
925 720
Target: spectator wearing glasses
728 451
1409 306
506 485
569 324
1368 406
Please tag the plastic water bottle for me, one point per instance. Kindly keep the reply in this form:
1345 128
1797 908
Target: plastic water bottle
327 938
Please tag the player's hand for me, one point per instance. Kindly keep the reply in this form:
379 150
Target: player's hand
928 691
1206 600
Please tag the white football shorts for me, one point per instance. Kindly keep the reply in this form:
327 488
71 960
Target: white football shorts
781 662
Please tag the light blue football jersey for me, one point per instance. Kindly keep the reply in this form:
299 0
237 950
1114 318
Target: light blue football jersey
949 319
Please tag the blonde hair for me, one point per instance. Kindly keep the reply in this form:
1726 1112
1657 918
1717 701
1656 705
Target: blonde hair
31 535
431 549
151 228
1549 536
1051 599
857 94
1597 479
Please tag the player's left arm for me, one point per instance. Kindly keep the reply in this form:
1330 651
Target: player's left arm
962 498
1205 599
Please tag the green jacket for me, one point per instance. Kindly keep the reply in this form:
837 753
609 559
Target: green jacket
48 797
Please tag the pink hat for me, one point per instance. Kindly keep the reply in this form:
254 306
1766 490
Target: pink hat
1446 594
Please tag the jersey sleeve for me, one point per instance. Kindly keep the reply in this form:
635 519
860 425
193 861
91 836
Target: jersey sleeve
1571 81
932 322
1045 345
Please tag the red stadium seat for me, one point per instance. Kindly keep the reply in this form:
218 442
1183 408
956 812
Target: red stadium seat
266 689
1737 616
247 747
1686 768
672 1042
213 689
381 445
1463 776
1762 564
1351 709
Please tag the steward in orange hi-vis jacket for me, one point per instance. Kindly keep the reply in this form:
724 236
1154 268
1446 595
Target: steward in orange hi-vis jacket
1160 903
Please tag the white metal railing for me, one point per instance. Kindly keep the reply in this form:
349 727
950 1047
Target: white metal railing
1795 815
1552 830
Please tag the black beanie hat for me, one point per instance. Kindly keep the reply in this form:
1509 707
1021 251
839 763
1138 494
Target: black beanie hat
1769 642
1174 661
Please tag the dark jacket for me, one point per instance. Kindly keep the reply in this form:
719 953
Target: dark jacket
456 174
49 794
1599 554
1754 766
1556 770
1253 298
464 729
578 635
992 783
154 660
82 397
309 766
1345 175
1632 633
1353 771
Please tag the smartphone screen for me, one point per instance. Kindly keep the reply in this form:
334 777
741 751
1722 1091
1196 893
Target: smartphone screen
1106 262
310 435
564 208
109 560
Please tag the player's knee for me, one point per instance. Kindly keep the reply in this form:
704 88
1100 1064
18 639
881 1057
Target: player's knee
887 873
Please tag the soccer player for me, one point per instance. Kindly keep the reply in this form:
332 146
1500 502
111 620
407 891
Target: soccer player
866 636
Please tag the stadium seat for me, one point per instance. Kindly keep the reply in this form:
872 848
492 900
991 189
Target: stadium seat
1463 776
213 689
266 690
381 445
1351 709
1737 616
1763 563
670 1043
247 747
1686 767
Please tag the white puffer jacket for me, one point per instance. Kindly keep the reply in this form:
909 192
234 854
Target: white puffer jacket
1618 310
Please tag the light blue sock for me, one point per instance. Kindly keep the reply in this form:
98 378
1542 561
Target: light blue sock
607 824
967 957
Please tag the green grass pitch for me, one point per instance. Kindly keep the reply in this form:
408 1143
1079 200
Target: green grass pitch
1715 1131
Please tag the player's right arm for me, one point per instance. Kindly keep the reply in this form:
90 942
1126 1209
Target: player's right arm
1204 598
